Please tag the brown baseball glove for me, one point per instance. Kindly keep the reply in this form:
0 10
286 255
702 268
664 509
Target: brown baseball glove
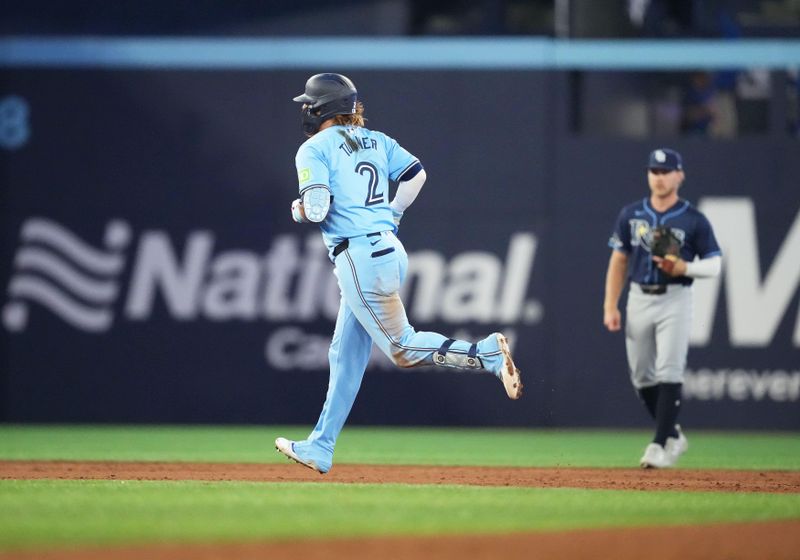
664 242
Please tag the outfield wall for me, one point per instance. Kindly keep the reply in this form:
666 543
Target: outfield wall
152 272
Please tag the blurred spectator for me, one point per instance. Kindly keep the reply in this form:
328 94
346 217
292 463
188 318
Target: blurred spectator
753 94
726 118
708 100
675 18
698 104
708 106
665 18
726 123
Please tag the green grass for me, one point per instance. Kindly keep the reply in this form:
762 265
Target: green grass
58 513
421 446
54 513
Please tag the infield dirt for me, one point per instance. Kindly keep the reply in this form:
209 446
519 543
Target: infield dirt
741 541
615 479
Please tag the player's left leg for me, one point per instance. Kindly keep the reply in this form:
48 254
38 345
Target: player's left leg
672 338
348 357
640 344
370 277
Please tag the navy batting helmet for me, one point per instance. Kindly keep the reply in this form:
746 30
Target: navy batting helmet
326 95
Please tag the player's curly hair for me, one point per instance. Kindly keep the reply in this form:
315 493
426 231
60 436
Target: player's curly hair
352 119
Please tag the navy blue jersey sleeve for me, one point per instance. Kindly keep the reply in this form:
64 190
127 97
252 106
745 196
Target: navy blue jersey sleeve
705 241
620 239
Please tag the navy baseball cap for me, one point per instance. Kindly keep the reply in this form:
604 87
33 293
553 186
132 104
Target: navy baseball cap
664 158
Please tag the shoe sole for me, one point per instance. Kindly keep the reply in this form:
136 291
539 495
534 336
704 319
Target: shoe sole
290 454
652 466
511 374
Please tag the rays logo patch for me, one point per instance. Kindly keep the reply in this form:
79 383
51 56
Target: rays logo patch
642 233
640 230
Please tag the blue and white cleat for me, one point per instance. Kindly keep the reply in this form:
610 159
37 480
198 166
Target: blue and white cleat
509 373
286 447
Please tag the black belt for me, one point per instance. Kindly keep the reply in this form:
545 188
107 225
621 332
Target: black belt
346 243
340 247
653 289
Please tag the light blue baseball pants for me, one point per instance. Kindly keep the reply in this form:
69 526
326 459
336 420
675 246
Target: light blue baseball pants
370 273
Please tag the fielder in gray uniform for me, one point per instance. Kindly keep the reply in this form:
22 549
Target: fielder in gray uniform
344 171
660 244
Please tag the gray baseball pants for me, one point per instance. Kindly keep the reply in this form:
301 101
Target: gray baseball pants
657 332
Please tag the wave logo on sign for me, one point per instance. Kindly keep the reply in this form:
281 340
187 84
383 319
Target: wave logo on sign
73 279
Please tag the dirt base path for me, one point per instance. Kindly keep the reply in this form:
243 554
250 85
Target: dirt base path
740 541
615 479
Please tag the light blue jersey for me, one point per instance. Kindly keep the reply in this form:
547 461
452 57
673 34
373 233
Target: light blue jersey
356 164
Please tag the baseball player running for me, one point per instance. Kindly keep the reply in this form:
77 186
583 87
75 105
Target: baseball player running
344 171
662 244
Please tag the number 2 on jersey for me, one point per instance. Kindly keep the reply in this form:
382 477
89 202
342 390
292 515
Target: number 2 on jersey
373 196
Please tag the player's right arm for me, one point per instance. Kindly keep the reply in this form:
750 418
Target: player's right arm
615 281
620 243
312 178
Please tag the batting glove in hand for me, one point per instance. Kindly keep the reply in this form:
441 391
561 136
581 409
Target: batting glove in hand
298 214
